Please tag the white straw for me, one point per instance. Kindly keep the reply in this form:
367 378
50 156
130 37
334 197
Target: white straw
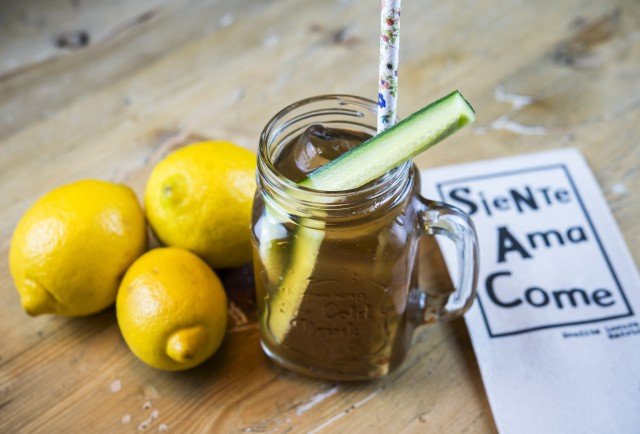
388 68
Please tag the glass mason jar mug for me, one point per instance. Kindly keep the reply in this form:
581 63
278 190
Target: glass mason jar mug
336 273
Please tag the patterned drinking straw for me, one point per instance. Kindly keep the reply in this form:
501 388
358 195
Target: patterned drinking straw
388 69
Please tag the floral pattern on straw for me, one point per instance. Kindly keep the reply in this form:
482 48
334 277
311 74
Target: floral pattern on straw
388 70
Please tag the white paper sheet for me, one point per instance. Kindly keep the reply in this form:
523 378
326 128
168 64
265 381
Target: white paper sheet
555 327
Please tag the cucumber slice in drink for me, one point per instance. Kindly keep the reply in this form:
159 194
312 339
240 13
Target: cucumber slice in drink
285 303
394 146
353 169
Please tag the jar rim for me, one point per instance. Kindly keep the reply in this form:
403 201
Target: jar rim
384 187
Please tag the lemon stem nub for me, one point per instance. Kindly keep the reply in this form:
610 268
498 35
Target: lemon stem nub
184 344
37 300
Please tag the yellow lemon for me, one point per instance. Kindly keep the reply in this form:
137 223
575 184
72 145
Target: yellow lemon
172 309
72 247
199 198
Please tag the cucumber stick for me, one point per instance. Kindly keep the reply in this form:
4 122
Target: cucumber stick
286 301
353 169
394 146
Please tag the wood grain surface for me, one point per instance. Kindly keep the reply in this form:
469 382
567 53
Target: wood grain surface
103 89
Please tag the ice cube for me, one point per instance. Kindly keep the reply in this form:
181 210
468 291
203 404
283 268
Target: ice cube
315 147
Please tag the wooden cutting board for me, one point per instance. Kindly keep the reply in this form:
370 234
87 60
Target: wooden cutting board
105 89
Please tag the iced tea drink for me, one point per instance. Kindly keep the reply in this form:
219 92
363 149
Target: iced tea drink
362 301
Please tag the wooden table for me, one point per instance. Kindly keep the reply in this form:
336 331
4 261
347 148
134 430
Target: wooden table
103 89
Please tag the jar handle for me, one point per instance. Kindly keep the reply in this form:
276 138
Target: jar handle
437 218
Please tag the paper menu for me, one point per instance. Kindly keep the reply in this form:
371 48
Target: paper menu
555 327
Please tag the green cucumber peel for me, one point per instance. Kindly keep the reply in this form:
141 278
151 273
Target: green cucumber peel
408 138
